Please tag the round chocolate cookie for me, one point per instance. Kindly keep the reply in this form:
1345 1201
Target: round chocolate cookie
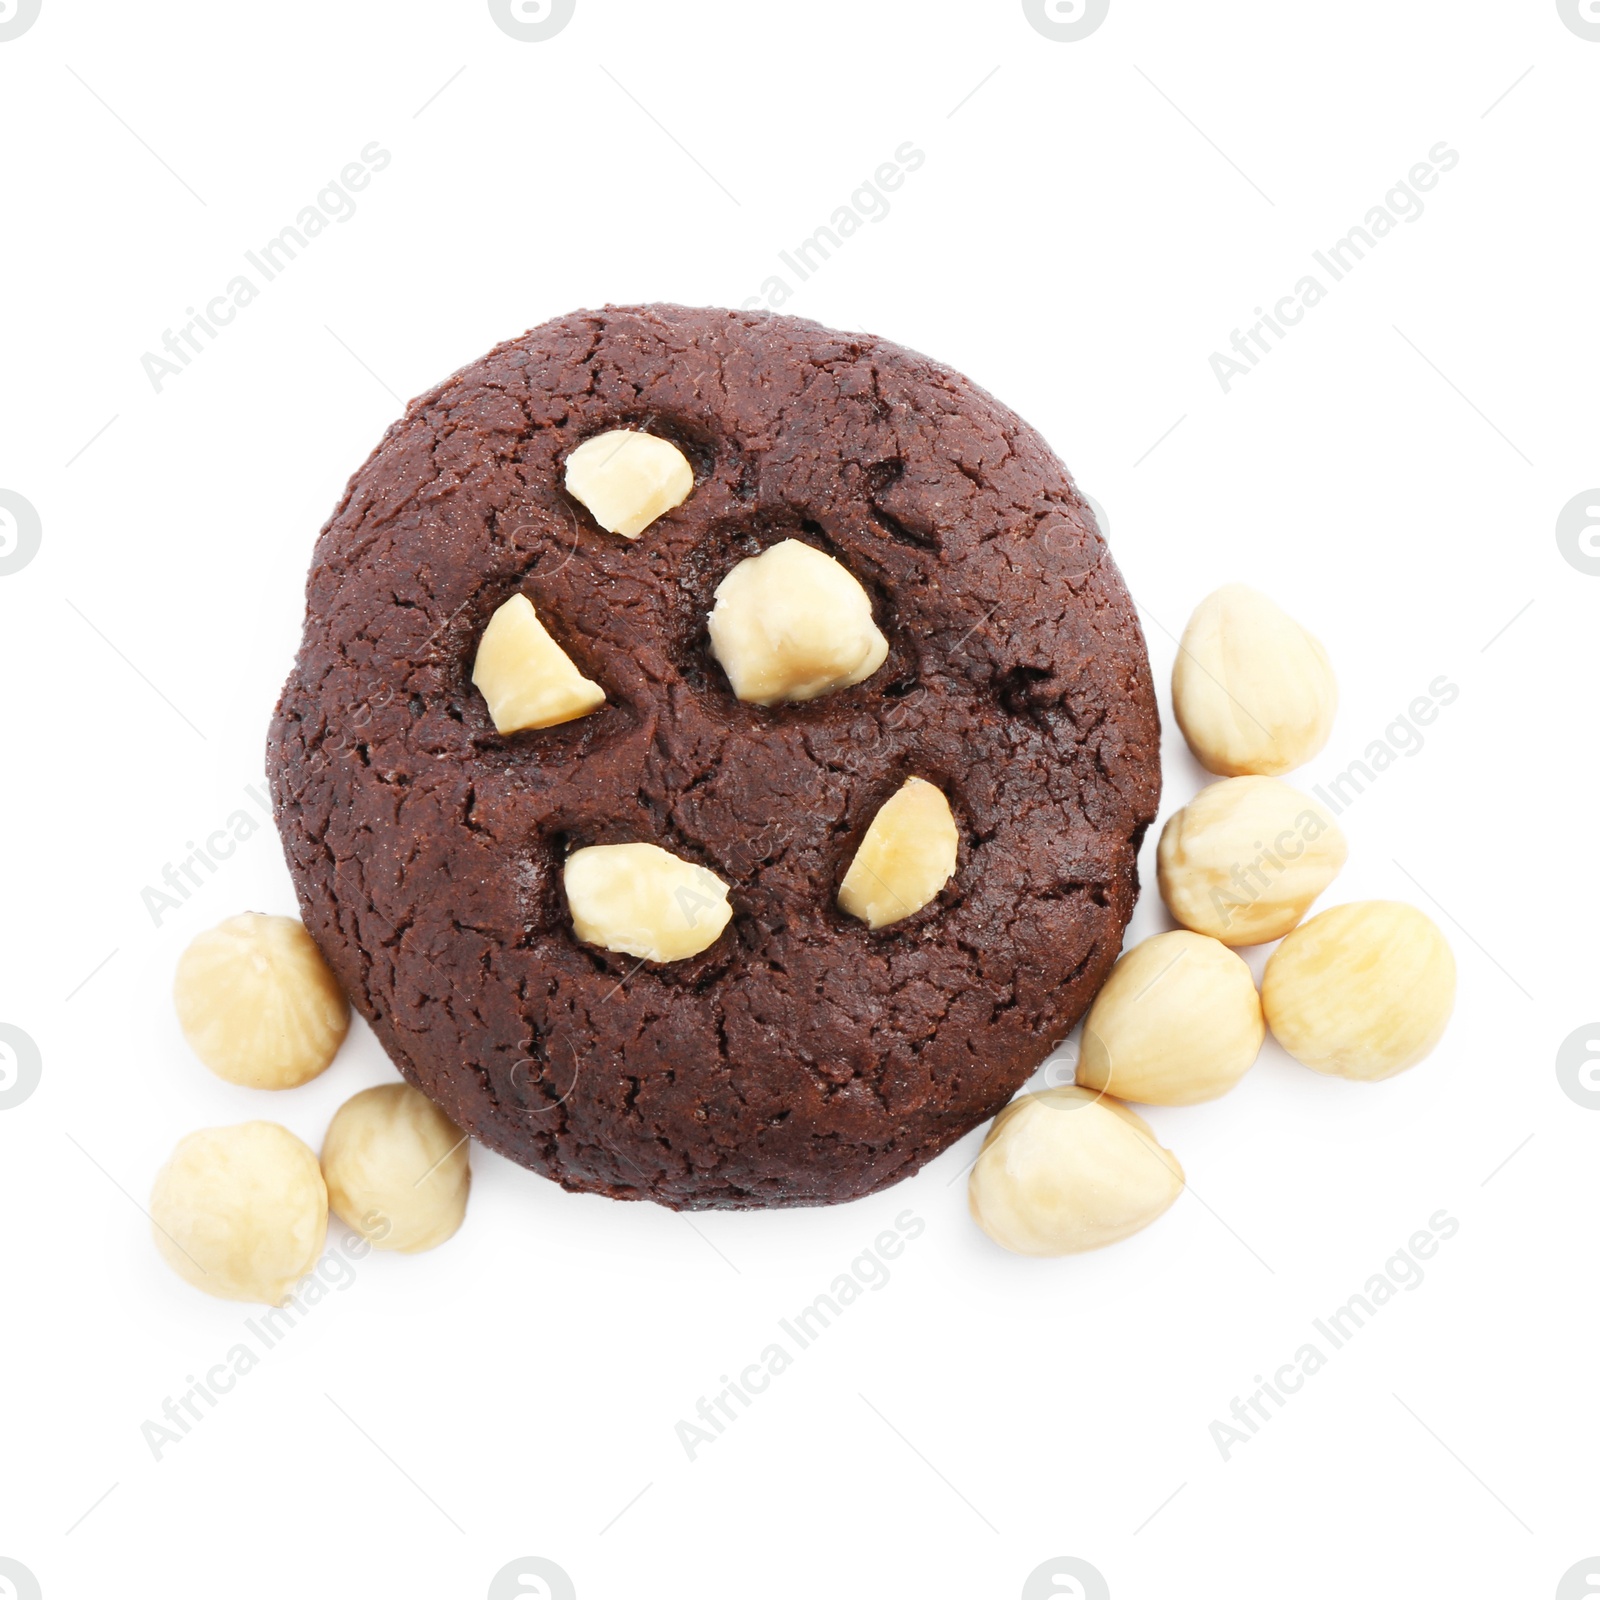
803 1057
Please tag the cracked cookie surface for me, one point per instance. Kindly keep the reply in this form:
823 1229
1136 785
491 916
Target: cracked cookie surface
802 1058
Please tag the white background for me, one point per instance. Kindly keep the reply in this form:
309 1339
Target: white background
1392 474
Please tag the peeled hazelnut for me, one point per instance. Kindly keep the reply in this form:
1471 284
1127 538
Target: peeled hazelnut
641 900
628 479
1361 991
792 624
257 1002
396 1168
906 857
1177 1022
1068 1170
241 1212
1253 691
526 678
1245 858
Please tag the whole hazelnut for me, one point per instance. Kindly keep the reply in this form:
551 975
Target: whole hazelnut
1362 990
627 479
1177 1022
1252 690
396 1168
1067 1171
240 1212
640 900
793 623
1245 858
258 1004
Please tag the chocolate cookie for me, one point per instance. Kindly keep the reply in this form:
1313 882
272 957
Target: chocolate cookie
802 1057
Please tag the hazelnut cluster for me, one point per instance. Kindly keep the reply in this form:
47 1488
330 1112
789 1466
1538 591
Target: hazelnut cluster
242 1211
1361 991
